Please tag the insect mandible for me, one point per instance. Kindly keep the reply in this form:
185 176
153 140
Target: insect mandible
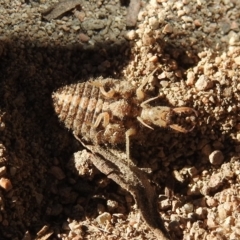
111 111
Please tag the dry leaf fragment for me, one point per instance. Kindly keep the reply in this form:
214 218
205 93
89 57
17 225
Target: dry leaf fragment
60 8
135 181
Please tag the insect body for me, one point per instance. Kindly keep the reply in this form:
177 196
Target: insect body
110 111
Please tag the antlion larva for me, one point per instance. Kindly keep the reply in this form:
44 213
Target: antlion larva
110 111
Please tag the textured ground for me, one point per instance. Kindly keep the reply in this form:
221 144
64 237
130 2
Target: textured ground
48 190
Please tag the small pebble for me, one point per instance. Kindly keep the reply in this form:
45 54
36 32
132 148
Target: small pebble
165 204
201 212
5 184
153 59
192 171
153 23
104 218
146 40
190 78
211 202
3 171
167 29
188 207
187 19
211 222
203 83
131 35
216 157
83 37
111 205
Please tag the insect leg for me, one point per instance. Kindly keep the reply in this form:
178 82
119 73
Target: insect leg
139 92
102 116
143 123
129 132
108 94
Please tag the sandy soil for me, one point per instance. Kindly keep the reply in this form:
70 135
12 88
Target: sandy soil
49 190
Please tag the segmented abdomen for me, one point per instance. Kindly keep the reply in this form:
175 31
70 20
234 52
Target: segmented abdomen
78 106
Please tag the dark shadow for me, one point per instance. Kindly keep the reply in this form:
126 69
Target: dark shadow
35 140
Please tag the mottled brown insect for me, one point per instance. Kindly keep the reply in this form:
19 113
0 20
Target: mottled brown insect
110 111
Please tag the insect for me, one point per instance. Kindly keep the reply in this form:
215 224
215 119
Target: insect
112 111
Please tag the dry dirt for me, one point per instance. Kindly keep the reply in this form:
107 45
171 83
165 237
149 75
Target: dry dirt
49 190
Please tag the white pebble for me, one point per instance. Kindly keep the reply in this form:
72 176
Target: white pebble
216 157
104 218
203 83
130 35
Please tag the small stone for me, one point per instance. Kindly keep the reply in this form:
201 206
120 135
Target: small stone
111 205
216 157
190 78
167 29
74 225
83 37
201 212
153 59
216 180
80 15
5 184
205 190
164 84
227 171
131 35
94 24
197 22
192 171
211 202
3 171
203 83
224 27
233 38
187 19
153 22
175 204
180 13
211 222
188 208
76 28
104 218
147 40
165 204
222 212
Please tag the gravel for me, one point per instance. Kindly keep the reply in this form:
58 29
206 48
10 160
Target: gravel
46 192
